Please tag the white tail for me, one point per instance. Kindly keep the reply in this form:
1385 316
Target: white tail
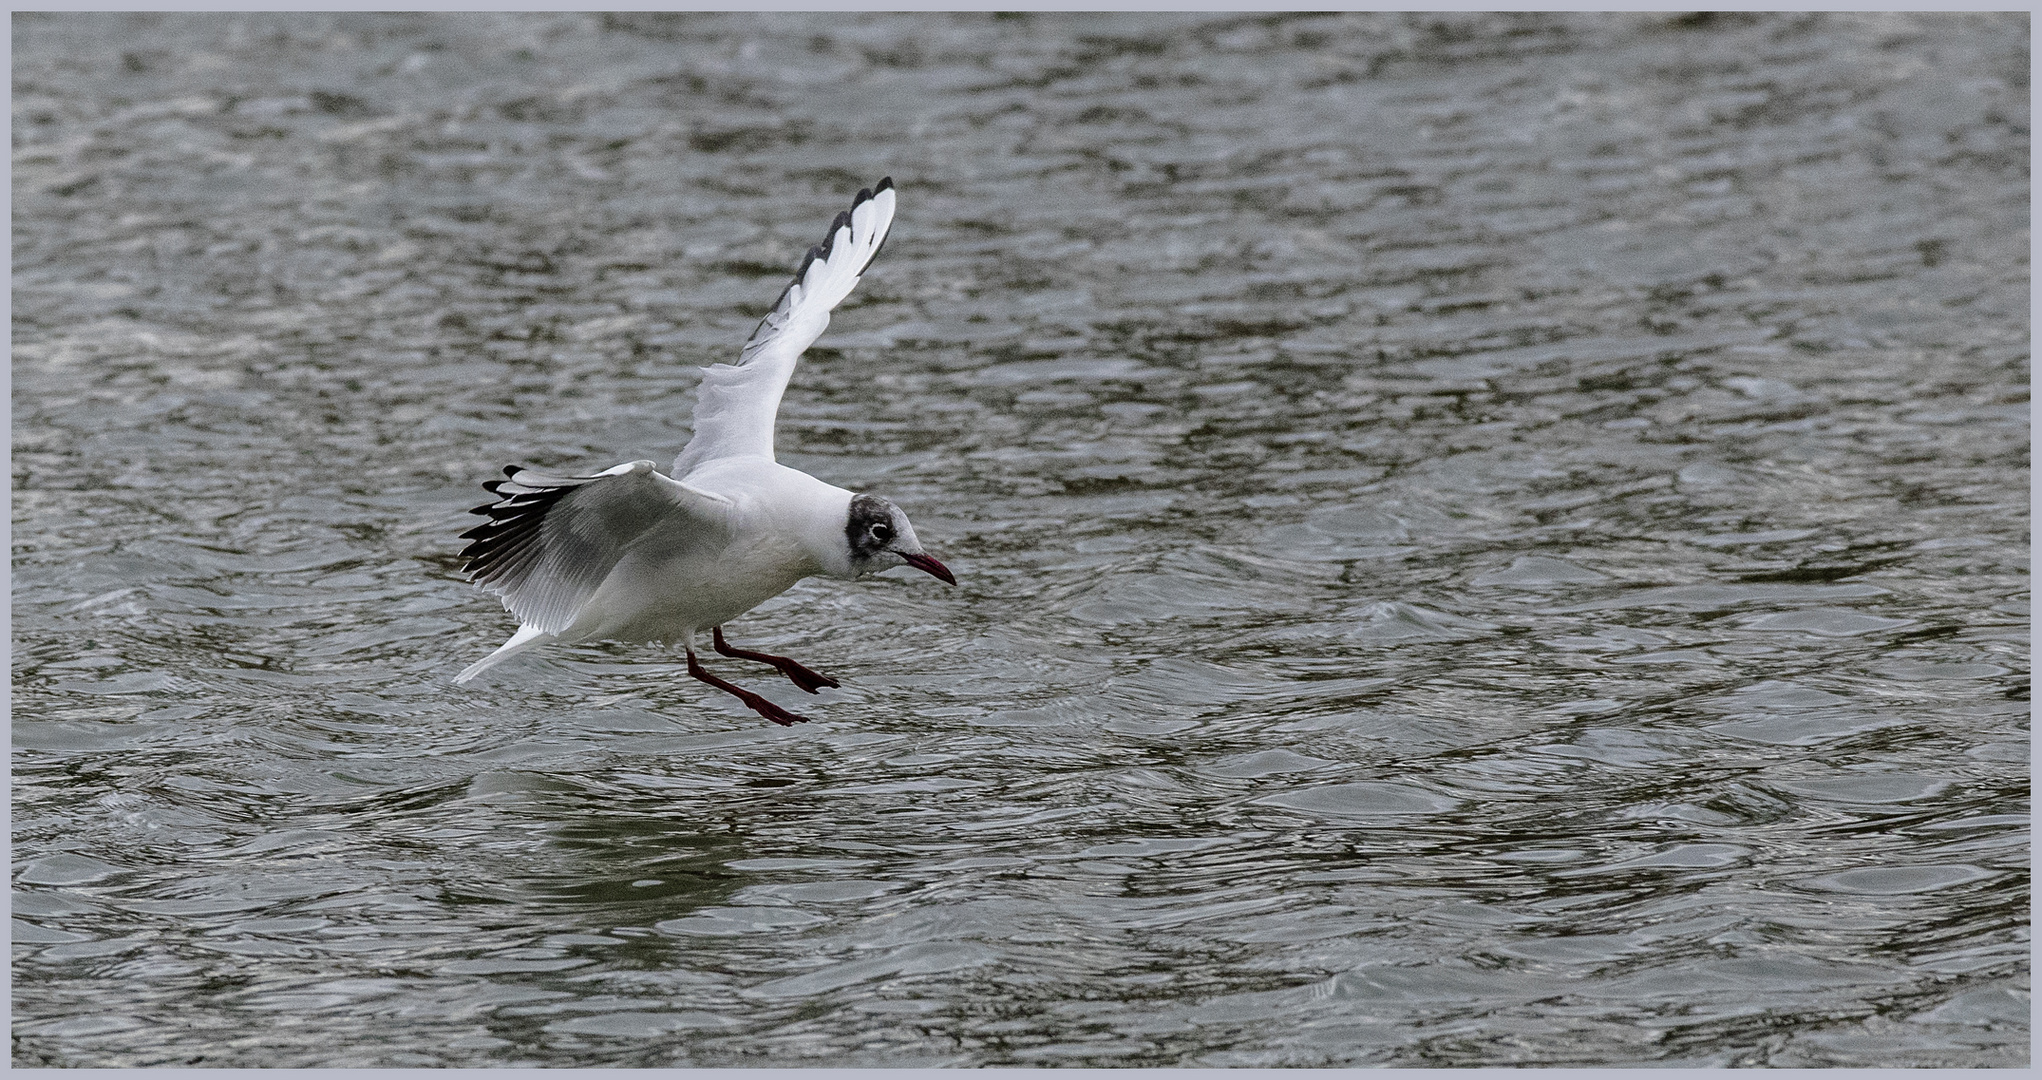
527 637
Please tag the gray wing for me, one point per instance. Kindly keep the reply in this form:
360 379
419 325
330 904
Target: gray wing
551 540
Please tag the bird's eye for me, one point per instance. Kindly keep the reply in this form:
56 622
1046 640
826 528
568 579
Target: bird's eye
881 533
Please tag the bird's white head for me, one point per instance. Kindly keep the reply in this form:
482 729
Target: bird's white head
877 537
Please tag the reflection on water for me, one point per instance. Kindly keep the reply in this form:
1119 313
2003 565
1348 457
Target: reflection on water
1481 540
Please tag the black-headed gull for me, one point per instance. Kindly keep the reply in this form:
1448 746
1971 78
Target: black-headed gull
630 554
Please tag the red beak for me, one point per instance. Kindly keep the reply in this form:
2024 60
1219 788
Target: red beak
930 567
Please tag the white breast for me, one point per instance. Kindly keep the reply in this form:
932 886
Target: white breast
787 525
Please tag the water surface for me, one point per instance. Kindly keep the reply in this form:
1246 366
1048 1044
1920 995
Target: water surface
1482 540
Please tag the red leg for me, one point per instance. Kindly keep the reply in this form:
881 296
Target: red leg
756 703
803 677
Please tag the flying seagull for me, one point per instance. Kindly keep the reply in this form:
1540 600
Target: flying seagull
633 554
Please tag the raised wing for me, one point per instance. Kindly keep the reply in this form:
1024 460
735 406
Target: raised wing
736 403
551 540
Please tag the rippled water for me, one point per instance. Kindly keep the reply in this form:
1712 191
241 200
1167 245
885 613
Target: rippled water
1482 540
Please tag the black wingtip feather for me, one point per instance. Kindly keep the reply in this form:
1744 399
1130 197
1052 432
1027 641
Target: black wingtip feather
820 251
840 222
513 519
885 184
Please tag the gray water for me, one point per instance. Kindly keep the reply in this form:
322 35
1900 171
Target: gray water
1481 540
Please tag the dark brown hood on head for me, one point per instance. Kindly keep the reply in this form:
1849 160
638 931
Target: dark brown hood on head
868 511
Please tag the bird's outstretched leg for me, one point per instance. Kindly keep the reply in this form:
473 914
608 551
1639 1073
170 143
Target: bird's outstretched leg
756 703
803 677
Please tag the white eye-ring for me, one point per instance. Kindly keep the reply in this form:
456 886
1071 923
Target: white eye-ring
881 533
